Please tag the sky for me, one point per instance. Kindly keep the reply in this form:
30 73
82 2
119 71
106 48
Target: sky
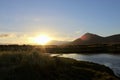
66 20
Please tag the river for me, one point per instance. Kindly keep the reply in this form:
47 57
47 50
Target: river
110 60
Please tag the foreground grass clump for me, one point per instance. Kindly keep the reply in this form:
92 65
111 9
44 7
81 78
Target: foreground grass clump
39 66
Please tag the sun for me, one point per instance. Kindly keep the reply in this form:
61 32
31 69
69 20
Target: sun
42 39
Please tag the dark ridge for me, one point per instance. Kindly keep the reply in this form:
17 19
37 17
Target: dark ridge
90 38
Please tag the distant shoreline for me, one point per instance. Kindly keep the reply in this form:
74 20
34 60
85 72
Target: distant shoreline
95 48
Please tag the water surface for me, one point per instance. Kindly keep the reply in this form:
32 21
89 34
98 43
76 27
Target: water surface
110 60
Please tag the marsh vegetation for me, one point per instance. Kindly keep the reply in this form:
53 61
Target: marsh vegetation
34 65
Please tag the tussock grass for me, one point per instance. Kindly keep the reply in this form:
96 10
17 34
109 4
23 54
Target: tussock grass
33 65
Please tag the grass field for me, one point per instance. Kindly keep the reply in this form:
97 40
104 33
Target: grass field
33 65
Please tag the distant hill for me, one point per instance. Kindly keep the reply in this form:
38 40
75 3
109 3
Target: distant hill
113 38
90 38
55 42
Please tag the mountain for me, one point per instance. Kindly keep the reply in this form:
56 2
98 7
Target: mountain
113 39
90 38
55 42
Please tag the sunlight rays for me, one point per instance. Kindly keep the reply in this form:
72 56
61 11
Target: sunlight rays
41 39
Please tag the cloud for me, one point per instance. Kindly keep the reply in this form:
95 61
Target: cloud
78 32
6 35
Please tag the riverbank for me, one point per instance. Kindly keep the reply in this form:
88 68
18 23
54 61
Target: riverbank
110 60
39 66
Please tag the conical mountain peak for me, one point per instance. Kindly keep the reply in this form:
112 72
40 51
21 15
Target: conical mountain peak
87 36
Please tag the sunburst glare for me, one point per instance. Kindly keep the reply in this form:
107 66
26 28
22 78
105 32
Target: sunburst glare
41 39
